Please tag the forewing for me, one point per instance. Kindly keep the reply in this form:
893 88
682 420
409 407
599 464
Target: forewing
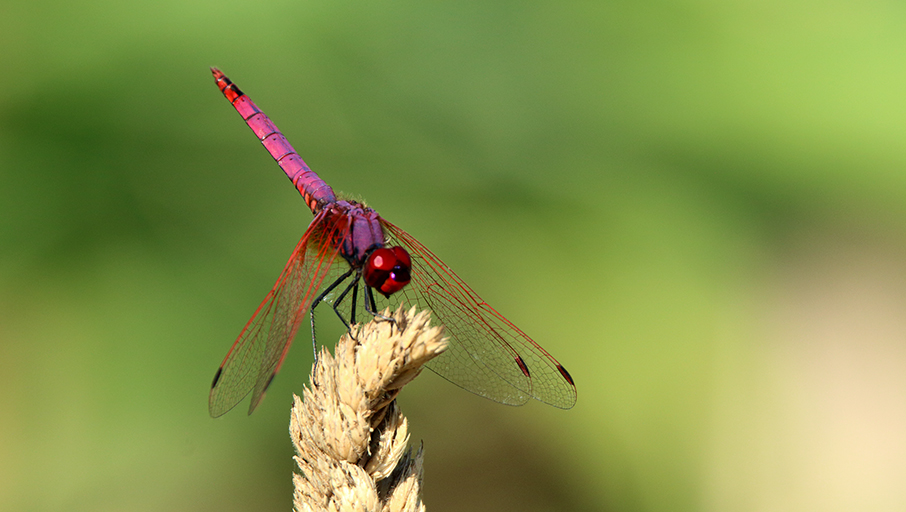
258 353
487 354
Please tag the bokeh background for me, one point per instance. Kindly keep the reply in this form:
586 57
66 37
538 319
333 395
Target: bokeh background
698 207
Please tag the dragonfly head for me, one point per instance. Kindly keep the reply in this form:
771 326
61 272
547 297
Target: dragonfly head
387 270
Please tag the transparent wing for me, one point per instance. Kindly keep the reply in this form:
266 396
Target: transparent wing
258 353
487 355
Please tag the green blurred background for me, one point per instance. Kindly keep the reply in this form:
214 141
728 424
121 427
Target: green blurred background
698 207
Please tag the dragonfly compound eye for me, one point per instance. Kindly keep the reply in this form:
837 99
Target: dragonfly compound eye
387 270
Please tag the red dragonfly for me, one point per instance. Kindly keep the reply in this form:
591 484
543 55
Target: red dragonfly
348 247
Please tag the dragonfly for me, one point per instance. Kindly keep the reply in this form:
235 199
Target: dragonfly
353 259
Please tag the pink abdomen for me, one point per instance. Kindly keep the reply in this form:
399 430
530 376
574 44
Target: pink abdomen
313 189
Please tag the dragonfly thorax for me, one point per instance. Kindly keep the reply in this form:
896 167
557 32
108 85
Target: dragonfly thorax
361 240
356 230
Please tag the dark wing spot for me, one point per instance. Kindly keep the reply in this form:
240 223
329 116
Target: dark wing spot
269 382
522 366
565 374
217 376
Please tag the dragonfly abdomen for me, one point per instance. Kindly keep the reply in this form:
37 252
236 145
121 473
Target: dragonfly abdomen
314 190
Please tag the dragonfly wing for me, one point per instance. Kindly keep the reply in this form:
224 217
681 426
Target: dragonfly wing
487 354
256 356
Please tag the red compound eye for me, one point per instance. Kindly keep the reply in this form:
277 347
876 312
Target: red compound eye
387 270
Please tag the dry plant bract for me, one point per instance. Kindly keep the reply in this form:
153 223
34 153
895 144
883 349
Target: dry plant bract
350 436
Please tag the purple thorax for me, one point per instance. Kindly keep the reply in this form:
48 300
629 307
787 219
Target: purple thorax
364 233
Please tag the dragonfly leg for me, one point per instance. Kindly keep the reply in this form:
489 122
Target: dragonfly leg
371 306
319 299
355 295
336 304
